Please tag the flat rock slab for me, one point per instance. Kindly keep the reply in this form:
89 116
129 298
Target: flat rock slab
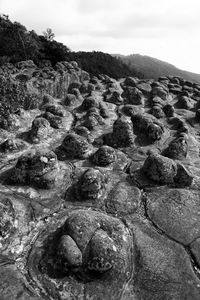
163 267
176 212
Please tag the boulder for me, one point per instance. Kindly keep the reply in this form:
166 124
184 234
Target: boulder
39 130
104 156
76 146
160 169
37 167
91 185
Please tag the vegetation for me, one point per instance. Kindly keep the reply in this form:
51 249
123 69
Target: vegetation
101 63
17 44
150 67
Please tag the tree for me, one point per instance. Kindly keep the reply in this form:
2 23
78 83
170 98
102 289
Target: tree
49 35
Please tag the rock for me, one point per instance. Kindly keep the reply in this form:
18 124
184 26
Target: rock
114 97
144 87
147 125
91 122
177 149
90 102
130 110
103 241
69 251
85 76
122 135
57 110
157 101
185 103
160 169
102 252
104 156
23 77
39 130
54 120
175 80
154 132
91 185
25 64
175 211
70 99
133 95
157 112
198 114
169 110
33 168
7 217
10 145
124 199
185 93
183 177
83 131
104 112
76 92
48 100
90 88
163 79
76 146
160 92
74 84
130 81
174 278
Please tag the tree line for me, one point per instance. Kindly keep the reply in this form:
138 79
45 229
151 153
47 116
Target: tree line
18 44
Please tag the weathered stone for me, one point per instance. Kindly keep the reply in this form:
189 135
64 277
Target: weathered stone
76 146
169 110
90 102
83 131
54 120
102 252
57 110
147 125
177 149
70 99
133 95
39 130
10 145
69 251
114 97
32 167
91 185
183 178
160 169
122 135
7 217
175 212
104 156
160 92
130 81
185 103
157 112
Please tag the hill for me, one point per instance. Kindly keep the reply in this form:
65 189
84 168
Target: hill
19 44
150 67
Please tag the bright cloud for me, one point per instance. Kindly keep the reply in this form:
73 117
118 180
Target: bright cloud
168 30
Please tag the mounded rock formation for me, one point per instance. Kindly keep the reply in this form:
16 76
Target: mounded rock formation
99 185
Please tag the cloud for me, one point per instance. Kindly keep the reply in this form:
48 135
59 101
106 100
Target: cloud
156 27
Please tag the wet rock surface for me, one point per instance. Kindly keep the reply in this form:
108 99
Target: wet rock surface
100 188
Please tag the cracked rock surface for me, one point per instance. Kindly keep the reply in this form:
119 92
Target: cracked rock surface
100 190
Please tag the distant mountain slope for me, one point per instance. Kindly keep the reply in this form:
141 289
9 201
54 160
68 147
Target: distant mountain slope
151 67
97 62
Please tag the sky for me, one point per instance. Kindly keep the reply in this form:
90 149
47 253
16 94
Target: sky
165 29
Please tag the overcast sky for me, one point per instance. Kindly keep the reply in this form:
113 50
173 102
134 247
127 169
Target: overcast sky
165 29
